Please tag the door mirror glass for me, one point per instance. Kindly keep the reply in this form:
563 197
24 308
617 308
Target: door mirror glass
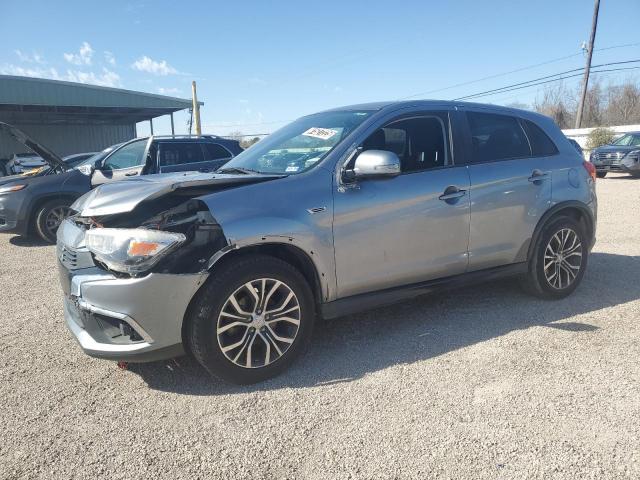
376 163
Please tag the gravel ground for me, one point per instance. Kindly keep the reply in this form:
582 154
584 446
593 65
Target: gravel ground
484 382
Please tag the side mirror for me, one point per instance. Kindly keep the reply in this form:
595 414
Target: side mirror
376 163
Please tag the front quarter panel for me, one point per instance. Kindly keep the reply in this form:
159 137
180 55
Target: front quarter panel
282 212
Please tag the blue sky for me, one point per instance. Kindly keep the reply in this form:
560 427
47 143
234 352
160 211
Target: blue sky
259 64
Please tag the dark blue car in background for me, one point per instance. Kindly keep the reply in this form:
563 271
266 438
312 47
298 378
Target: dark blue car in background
38 204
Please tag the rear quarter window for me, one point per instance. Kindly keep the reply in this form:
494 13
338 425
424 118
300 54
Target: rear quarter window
541 144
213 151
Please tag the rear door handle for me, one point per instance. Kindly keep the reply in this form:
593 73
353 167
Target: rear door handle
451 193
537 176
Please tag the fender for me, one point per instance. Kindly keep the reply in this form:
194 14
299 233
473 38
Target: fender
583 208
313 243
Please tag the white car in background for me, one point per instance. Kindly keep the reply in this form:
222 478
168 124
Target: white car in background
30 164
22 162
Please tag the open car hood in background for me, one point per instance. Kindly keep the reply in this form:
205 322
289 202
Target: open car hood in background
125 195
47 155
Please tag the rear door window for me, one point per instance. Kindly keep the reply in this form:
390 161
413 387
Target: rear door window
496 137
180 153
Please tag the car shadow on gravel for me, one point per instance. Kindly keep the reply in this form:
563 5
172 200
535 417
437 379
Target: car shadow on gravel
22 241
346 349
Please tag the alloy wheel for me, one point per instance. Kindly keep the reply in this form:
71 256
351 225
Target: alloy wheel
55 217
258 323
562 258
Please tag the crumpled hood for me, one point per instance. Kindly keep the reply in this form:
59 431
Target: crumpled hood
124 196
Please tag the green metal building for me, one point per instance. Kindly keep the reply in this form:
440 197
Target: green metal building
74 118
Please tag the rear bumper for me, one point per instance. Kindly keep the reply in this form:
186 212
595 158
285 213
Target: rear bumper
127 319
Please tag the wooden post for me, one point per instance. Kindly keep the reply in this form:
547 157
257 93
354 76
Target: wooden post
196 108
585 83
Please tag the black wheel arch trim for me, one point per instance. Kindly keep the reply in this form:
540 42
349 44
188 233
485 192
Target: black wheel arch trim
555 210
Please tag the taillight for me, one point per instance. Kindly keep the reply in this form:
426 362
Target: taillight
590 168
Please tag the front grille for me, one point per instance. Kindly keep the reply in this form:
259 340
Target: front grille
74 259
609 158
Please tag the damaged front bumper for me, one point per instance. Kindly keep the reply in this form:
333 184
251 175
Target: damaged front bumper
127 319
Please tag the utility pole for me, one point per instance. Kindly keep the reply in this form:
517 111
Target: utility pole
585 83
196 108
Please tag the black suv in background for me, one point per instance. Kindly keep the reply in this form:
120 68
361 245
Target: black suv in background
39 204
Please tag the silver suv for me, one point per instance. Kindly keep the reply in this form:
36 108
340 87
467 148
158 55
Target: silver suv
339 211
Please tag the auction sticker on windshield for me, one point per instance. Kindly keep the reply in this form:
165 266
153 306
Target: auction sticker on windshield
321 133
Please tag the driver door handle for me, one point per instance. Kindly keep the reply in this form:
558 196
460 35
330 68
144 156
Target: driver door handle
451 193
132 174
537 176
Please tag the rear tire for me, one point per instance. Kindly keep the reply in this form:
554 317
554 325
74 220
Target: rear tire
49 217
601 174
559 259
235 332
3 170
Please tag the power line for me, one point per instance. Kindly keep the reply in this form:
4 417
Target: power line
501 89
612 47
517 70
550 81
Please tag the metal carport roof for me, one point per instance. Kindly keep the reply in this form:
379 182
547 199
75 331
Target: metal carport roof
25 100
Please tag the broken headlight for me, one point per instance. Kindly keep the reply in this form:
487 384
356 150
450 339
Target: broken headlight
131 250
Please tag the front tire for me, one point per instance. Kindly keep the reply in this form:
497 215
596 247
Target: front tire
251 319
559 259
49 217
601 174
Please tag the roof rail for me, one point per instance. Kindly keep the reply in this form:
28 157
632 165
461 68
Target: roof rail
208 135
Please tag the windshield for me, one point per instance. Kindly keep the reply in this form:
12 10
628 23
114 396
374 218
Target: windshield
300 145
627 139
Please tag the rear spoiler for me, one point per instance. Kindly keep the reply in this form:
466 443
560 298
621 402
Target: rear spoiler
47 155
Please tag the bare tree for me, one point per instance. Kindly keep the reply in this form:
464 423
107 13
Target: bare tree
247 142
519 105
623 105
593 105
604 105
556 103
235 135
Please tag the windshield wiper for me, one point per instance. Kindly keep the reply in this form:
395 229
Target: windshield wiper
245 171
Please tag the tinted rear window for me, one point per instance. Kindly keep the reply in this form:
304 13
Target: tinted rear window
541 144
496 137
180 153
213 151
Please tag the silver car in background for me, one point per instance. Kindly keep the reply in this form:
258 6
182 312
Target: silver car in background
337 212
